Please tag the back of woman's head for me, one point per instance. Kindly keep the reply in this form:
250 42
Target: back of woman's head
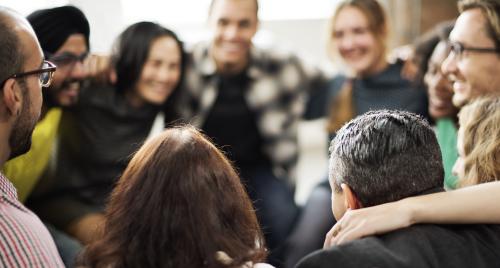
178 202
480 130
131 51
375 15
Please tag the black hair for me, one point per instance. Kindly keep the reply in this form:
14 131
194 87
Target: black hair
384 156
425 45
131 52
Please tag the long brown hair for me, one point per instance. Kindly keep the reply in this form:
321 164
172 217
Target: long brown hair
178 202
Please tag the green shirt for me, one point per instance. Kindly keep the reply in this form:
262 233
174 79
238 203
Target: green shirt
447 139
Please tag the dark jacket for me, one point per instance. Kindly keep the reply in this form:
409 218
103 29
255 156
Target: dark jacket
416 246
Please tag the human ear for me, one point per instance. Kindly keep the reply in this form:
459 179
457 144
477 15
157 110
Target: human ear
12 97
350 199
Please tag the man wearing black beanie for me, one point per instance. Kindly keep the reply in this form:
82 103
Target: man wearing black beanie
63 33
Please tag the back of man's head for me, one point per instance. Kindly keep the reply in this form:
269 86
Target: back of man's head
11 54
53 26
385 156
491 11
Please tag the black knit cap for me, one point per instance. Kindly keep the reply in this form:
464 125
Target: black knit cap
53 26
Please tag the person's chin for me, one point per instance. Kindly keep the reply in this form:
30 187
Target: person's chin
21 149
157 100
459 100
67 103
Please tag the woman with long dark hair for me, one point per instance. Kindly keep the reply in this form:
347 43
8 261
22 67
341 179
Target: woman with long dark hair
108 124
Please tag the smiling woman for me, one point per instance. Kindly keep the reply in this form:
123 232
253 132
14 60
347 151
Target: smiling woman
358 38
108 125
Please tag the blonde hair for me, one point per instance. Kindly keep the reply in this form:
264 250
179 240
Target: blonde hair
480 126
491 11
377 23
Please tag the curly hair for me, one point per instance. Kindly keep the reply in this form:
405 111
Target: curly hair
178 203
480 130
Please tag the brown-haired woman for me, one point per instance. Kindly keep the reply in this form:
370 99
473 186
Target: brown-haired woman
179 203
358 37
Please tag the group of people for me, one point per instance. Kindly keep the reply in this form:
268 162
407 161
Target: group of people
114 176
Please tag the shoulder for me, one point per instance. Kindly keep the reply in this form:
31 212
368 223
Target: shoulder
274 59
262 265
378 251
333 257
95 94
393 74
337 81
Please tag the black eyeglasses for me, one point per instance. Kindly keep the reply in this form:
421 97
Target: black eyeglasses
45 74
67 58
458 49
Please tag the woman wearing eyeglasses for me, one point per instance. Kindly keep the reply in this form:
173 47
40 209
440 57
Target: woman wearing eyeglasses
108 124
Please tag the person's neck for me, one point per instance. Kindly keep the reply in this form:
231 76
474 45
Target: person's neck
44 111
229 69
374 70
4 143
133 99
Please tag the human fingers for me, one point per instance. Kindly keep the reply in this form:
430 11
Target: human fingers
330 236
98 67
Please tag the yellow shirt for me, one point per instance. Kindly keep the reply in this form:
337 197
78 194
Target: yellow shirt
26 170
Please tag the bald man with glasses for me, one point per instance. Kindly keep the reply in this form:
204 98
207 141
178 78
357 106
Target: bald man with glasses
24 240
63 34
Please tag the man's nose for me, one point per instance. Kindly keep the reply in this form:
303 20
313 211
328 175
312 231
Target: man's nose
79 71
231 32
449 65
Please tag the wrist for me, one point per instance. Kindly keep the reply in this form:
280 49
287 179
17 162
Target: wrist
409 211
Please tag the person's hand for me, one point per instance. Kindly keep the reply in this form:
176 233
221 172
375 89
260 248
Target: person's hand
405 54
363 222
98 68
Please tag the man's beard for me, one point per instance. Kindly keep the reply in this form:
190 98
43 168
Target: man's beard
50 95
20 137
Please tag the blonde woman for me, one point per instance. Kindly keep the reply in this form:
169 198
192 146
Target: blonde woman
359 33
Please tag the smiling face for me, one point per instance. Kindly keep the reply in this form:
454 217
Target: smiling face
472 74
70 72
356 43
234 23
438 86
160 73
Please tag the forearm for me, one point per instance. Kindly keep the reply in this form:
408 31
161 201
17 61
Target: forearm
475 204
